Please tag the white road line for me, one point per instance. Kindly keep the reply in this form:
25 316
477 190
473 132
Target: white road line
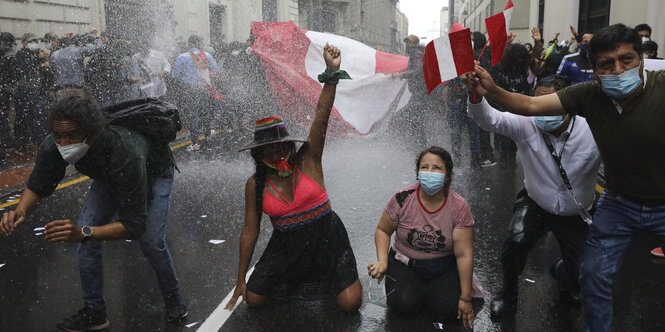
218 317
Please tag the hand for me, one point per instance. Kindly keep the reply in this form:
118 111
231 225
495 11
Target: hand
333 58
135 79
46 65
163 74
11 220
95 32
535 34
63 230
556 37
511 38
43 54
465 312
240 290
572 30
480 81
377 270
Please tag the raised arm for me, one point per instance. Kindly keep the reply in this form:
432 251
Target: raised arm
317 133
483 84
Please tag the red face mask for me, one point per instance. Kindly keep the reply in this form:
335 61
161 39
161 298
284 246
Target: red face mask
281 165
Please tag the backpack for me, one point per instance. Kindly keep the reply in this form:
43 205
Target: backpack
157 120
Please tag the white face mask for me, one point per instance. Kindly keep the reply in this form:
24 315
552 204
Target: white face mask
72 153
644 39
33 46
49 46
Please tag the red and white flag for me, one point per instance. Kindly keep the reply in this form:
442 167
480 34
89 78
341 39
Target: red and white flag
498 29
293 58
448 57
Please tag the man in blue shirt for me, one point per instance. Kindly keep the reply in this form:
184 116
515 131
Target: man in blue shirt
195 70
576 66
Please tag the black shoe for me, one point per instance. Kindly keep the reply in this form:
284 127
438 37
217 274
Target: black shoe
175 309
500 307
85 320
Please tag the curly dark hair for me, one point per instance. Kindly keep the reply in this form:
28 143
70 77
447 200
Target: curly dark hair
515 61
83 111
447 160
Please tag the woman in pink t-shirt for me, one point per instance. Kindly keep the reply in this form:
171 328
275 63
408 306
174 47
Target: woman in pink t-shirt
431 262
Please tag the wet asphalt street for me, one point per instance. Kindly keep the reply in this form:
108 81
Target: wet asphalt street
39 283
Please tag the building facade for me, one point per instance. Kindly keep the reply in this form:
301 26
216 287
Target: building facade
377 23
553 16
40 17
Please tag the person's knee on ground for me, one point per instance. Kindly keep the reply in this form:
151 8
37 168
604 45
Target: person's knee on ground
405 303
255 300
350 299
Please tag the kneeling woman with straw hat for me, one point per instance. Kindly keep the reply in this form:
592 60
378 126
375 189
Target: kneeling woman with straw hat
309 243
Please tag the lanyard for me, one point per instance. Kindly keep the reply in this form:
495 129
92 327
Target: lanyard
586 216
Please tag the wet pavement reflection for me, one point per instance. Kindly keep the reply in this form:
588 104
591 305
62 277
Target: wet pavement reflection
39 283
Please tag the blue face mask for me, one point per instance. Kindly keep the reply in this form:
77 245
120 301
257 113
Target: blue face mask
431 182
622 85
584 48
549 123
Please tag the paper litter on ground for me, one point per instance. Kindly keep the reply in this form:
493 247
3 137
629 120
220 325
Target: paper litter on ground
192 324
37 229
216 241
531 281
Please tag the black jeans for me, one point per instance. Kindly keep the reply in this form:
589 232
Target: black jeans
440 294
528 225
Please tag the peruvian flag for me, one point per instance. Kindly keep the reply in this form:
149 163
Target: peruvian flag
498 28
448 57
293 58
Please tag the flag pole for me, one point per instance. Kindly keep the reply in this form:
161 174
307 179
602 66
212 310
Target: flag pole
480 56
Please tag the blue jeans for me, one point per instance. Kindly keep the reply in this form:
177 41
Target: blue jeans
99 208
616 222
200 109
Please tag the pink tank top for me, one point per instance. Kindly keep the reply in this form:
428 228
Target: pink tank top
310 203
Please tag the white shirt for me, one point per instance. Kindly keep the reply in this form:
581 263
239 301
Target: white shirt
156 63
542 180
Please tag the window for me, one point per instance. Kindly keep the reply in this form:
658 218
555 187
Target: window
269 10
594 14
216 14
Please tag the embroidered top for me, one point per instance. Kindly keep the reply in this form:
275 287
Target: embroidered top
424 234
310 202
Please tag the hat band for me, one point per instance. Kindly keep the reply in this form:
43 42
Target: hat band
274 133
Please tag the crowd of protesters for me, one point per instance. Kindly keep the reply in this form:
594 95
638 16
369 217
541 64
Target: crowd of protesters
36 71
573 127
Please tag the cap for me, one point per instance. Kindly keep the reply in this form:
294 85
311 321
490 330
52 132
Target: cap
28 36
7 37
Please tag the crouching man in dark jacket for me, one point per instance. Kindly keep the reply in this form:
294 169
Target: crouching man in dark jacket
131 176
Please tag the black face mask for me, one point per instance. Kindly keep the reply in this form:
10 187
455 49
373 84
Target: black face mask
5 48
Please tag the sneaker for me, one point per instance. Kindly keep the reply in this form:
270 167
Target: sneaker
194 147
658 252
85 320
487 163
175 309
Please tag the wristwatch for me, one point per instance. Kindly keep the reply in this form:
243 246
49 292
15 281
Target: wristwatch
87 232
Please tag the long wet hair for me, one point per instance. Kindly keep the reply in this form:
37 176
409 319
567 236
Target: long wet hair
261 172
447 160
